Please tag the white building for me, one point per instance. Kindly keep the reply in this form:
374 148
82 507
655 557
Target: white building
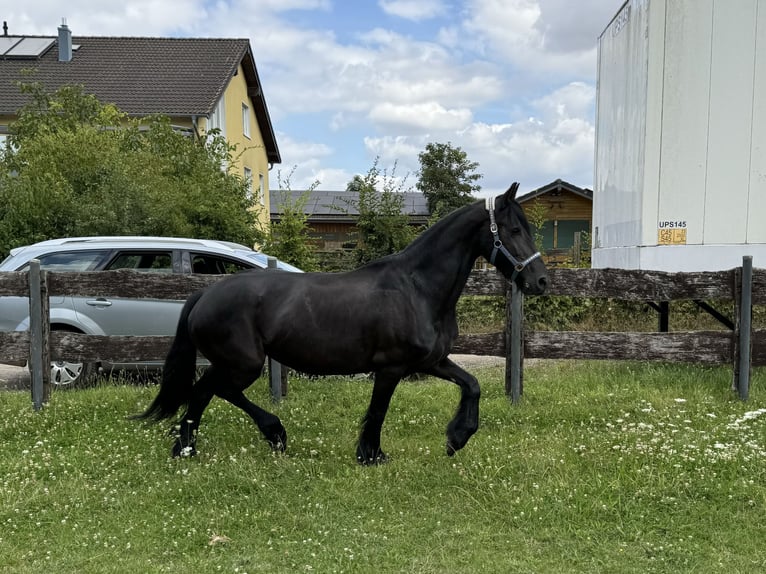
680 167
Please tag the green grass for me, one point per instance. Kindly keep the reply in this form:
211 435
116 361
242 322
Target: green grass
604 467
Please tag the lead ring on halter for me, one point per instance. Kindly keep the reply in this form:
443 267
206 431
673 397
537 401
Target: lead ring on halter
518 266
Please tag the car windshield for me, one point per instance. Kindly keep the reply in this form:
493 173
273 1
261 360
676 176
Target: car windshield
262 260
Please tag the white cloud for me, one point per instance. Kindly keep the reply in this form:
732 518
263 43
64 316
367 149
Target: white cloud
556 142
412 9
575 100
133 18
428 116
400 150
536 35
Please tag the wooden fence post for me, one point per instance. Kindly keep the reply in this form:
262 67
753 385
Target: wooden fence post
39 330
745 325
276 382
514 354
577 249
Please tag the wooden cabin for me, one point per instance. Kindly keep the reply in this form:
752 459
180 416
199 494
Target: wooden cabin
564 210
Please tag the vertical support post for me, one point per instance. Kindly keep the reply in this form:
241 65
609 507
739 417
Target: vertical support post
275 369
745 324
514 374
577 249
35 334
45 310
664 319
736 293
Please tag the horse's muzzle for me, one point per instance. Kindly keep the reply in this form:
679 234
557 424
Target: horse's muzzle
538 287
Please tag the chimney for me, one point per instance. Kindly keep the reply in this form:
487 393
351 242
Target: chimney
65 42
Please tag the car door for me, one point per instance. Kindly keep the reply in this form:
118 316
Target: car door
14 311
120 316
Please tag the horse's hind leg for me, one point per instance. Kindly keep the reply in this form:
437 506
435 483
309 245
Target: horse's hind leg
368 449
269 424
186 430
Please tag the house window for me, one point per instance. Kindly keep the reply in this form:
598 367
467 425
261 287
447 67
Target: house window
566 232
262 188
217 119
248 173
246 120
560 233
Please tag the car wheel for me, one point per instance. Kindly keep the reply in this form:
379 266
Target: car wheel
65 374
68 374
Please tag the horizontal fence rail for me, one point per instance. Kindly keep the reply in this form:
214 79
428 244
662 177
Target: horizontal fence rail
709 347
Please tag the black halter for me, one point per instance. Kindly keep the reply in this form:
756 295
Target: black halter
518 265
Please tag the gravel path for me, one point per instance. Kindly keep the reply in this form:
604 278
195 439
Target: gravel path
12 378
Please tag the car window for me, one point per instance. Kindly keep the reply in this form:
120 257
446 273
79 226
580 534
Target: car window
145 261
69 261
206 264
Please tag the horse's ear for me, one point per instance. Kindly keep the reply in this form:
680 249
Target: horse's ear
510 195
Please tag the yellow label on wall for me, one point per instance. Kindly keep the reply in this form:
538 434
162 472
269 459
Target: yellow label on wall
671 234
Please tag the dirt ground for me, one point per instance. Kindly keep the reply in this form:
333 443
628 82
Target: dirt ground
15 378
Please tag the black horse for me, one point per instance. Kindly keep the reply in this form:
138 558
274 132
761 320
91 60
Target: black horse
392 317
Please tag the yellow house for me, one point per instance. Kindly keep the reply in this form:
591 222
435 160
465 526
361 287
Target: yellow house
200 83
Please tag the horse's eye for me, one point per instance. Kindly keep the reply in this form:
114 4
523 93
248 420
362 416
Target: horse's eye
515 230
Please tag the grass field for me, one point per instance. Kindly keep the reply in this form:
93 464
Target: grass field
604 467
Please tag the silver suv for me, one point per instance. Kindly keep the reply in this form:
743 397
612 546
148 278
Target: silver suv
113 316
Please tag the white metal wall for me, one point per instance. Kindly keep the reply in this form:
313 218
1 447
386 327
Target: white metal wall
621 110
681 134
756 224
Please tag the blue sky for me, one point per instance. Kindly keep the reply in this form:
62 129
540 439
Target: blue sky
511 82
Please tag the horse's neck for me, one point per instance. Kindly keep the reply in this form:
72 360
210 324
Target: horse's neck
441 259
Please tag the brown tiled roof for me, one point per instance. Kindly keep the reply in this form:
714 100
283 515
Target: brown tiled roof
557 187
143 76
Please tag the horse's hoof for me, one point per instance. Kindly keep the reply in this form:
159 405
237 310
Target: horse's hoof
279 446
278 440
369 459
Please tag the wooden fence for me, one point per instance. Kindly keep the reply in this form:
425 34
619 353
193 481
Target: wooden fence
740 346
744 286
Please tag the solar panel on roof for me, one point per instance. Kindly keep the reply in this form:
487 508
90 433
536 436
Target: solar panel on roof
29 48
8 42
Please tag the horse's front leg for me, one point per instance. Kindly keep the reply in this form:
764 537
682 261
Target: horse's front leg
466 420
368 449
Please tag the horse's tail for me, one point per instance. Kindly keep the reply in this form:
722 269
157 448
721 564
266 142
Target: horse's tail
177 372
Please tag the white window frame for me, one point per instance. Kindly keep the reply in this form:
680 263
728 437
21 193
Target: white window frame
248 175
246 120
262 188
217 119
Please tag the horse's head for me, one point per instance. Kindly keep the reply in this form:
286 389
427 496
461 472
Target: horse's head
511 247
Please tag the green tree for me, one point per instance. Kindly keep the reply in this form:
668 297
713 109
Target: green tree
289 238
382 225
77 167
537 215
356 183
446 178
